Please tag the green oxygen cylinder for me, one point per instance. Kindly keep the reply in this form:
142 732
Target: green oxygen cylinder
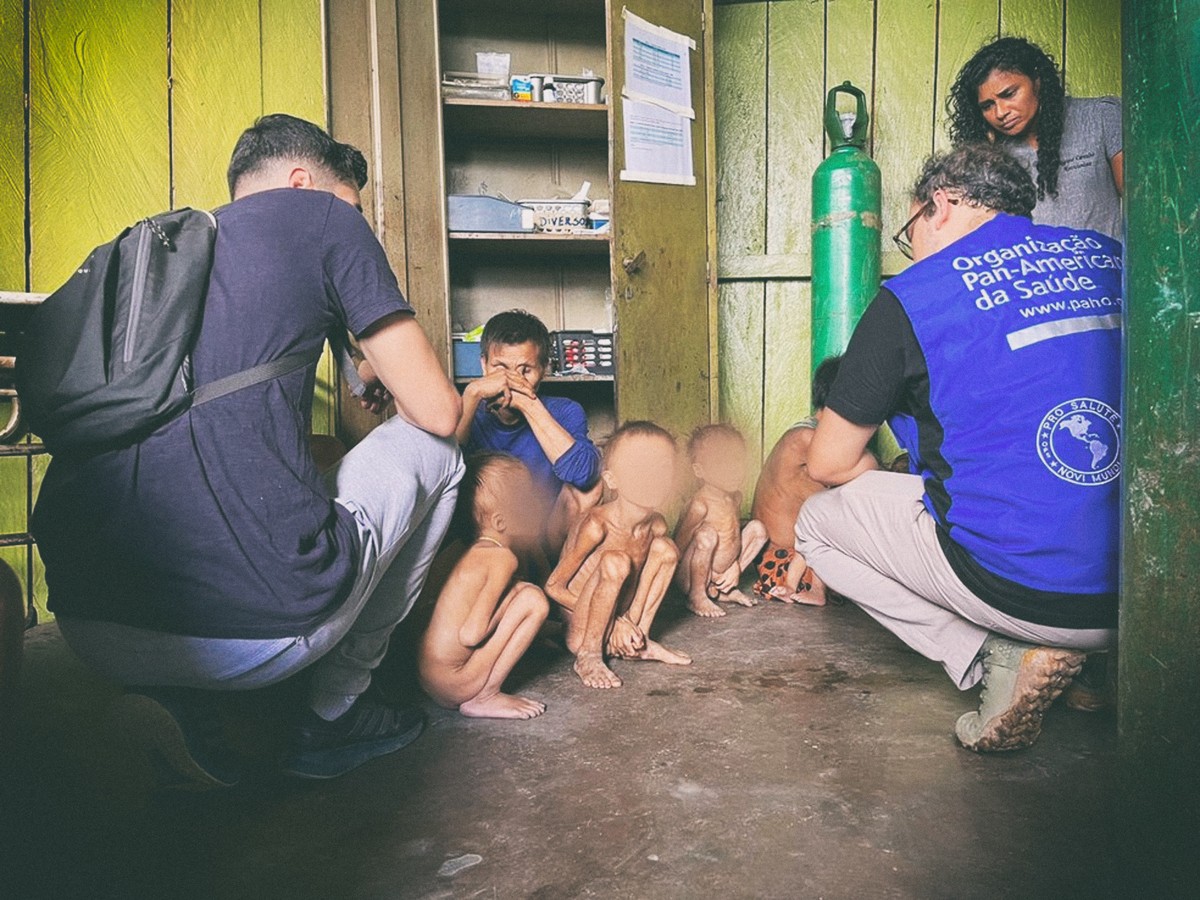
846 223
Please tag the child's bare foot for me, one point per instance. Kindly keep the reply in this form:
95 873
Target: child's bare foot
594 673
741 598
815 595
502 706
702 606
657 652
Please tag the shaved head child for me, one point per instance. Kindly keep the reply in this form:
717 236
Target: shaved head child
485 619
618 561
714 547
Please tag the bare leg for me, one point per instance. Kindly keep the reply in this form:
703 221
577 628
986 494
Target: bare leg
753 539
652 585
695 572
569 508
521 615
590 620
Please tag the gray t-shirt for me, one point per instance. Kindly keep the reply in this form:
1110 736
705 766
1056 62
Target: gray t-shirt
1087 195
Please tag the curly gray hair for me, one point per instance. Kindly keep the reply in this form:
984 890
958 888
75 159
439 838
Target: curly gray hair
983 174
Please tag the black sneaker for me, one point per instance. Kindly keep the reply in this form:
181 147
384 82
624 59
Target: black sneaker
323 749
182 732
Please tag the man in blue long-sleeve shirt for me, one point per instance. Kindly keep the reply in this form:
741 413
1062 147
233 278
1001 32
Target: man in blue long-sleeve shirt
503 412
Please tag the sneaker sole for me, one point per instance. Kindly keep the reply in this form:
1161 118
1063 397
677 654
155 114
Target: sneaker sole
150 725
321 765
1044 674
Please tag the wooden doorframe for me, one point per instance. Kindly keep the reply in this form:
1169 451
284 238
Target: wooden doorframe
375 68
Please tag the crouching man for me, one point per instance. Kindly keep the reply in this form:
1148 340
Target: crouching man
1002 342
211 556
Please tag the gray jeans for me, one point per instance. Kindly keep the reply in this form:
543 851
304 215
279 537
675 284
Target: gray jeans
873 541
400 484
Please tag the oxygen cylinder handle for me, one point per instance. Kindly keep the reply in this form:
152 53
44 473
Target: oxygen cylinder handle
833 122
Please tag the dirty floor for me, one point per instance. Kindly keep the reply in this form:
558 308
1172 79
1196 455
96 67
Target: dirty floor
807 753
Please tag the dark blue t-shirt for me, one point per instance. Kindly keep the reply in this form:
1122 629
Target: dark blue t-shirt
579 466
218 524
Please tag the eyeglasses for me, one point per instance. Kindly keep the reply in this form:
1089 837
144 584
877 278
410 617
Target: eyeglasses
903 237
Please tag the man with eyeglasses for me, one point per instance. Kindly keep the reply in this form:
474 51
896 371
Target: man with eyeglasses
996 358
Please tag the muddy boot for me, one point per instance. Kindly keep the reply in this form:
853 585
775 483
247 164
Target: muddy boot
1020 681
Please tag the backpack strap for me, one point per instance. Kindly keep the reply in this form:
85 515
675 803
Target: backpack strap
267 371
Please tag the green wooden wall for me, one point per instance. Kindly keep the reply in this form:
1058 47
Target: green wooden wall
133 107
774 62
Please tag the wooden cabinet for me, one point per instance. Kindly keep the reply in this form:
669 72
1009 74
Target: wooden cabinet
651 277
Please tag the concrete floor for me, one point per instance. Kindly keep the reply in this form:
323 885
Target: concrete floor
807 753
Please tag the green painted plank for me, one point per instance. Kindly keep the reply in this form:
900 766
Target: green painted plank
98 134
217 92
12 148
904 79
293 58
850 44
1041 21
1093 52
740 346
741 123
795 100
963 27
787 382
12 239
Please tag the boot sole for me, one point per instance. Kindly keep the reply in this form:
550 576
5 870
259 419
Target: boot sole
321 765
151 726
1044 674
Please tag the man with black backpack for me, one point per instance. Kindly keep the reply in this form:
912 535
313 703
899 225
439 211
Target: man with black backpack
208 555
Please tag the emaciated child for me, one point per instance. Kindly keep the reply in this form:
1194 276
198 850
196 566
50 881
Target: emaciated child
714 547
618 561
485 619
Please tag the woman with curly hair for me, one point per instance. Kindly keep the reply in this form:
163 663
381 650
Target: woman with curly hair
1010 93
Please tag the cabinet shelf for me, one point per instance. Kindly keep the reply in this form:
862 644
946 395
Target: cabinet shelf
523 119
530 243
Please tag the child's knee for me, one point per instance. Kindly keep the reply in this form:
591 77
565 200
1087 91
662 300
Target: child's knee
531 600
615 565
706 538
664 551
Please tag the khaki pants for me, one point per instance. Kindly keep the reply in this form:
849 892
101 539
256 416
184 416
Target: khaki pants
873 541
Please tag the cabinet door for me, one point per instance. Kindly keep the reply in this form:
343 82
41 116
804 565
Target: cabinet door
663 237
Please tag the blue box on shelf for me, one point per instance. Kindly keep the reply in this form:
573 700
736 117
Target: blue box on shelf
467 363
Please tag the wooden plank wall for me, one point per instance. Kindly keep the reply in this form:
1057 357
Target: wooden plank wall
133 107
774 62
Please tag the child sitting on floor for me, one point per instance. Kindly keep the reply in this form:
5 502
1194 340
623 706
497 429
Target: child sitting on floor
485 619
502 411
617 562
714 548
782 488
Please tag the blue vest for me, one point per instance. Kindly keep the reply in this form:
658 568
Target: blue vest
1020 325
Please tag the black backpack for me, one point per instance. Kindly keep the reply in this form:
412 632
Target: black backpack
106 359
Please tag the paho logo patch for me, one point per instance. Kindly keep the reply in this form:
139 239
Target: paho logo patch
1080 441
